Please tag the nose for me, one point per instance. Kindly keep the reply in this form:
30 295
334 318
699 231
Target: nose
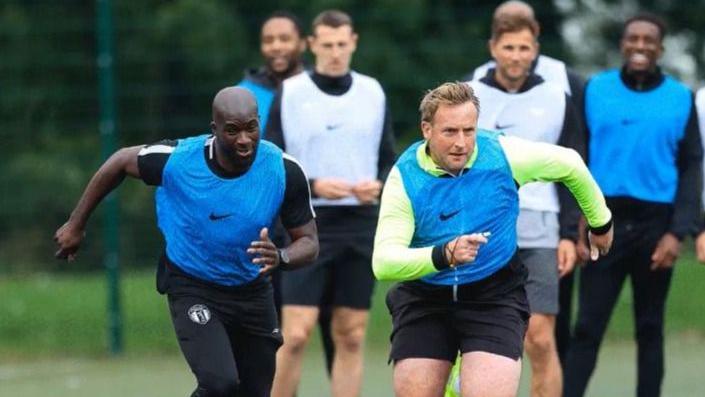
243 138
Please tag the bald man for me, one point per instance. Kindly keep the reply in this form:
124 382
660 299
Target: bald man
217 196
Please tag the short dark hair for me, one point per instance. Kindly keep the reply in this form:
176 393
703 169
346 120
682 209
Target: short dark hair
650 18
331 18
510 23
287 15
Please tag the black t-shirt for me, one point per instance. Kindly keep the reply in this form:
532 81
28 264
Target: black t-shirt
296 209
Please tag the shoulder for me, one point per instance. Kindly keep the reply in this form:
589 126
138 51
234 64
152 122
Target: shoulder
677 85
367 82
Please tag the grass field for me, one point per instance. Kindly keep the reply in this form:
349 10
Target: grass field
52 339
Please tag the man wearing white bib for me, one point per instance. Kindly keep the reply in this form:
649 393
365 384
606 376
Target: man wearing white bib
335 119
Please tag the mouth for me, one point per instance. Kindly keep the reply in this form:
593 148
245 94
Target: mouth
639 60
244 152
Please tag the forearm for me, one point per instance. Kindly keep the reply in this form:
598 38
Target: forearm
104 181
303 249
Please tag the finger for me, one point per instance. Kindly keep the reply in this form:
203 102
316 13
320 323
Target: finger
264 234
594 252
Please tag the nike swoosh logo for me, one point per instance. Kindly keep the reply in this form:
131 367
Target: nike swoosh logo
215 217
445 217
330 127
503 127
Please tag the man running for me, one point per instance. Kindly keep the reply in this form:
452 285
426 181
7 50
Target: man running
447 230
217 197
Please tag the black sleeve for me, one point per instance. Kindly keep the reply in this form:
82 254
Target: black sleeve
387 155
296 209
577 89
152 159
274 132
572 136
686 209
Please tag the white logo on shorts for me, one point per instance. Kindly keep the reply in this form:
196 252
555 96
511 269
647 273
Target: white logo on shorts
199 314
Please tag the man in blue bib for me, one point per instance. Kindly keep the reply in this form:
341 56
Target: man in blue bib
216 199
645 153
447 231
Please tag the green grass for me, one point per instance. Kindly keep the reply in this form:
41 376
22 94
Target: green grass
52 337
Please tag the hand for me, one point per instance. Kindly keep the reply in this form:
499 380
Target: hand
331 188
600 244
582 249
265 252
368 192
463 249
567 256
700 247
666 252
69 238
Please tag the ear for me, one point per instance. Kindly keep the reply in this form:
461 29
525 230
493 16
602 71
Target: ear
490 47
213 127
354 41
302 46
426 129
311 42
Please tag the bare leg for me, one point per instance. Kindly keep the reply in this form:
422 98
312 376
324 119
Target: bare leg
489 375
348 330
540 345
420 377
298 322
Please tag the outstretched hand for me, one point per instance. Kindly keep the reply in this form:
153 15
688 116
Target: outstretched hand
68 237
463 249
265 252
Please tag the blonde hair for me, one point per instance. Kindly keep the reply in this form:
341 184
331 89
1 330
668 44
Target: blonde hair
456 93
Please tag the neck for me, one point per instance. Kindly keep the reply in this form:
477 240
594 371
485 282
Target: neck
332 75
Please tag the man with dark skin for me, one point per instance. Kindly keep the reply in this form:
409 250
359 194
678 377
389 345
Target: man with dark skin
646 155
282 45
218 196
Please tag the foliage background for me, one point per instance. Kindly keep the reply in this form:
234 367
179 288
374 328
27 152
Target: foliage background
172 56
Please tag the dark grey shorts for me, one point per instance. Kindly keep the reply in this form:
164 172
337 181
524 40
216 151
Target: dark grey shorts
542 285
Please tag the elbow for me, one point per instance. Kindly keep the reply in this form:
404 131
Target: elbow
379 269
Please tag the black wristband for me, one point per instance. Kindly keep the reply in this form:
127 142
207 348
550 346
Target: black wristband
438 256
600 230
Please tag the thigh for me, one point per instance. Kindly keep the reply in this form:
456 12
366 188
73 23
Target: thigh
203 339
416 319
497 327
353 280
489 375
256 362
542 282
420 377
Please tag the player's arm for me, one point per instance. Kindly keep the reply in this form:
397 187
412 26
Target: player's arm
108 177
298 219
543 162
392 259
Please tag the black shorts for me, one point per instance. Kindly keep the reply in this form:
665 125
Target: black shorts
228 335
489 315
342 275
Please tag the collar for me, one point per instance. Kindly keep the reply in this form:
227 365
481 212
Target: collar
532 80
651 79
423 158
209 153
337 86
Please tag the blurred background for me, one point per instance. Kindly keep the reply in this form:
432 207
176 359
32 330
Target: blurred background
170 57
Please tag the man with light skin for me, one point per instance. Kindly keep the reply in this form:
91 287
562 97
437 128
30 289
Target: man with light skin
700 236
454 251
282 45
336 121
521 103
557 72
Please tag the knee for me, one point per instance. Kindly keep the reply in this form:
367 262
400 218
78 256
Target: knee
539 344
648 331
217 386
350 339
296 339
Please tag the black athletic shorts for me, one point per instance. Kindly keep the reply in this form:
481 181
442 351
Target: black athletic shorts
228 335
489 315
342 275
